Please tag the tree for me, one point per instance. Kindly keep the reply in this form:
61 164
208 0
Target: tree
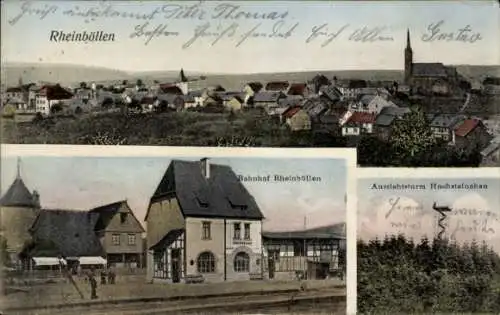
107 103
83 85
125 82
412 136
139 82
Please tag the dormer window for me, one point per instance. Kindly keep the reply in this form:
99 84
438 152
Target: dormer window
202 203
123 217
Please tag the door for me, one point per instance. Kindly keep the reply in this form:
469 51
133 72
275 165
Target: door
176 265
273 256
272 267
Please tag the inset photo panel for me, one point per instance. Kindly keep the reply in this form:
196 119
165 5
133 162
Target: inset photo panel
177 230
428 241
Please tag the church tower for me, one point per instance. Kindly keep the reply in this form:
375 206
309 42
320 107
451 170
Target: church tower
408 58
18 210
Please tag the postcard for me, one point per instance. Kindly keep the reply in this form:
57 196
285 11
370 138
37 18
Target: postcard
407 85
428 241
140 230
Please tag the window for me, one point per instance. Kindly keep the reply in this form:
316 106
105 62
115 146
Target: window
299 249
123 217
115 239
247 231
206 263
237 231
206 233
131 239
242 262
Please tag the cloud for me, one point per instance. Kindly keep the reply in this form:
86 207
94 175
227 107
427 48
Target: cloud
289 213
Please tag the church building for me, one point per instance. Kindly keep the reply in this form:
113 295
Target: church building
428 78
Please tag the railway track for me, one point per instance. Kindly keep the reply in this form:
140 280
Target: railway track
275 302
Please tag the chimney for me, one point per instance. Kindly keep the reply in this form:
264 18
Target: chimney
205 167
36 198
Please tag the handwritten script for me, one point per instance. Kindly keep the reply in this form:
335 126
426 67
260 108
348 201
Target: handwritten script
459 223
210 23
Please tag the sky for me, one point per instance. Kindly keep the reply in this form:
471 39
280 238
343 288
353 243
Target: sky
81 183
26 32
412 213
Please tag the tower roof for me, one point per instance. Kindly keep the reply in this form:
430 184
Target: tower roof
408 42
17 195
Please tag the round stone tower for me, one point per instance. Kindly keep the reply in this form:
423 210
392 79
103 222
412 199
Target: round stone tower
18 210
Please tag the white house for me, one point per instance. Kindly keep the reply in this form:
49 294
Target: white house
202 225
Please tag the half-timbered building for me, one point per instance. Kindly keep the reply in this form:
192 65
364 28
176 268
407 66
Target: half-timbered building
311 254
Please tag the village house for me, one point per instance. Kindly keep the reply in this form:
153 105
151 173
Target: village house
328 122
174 101
298 89
120 234
16 92
317 82
491 86
297 119
64 233
443 125
48 96
291 100
190 101
471 134
331 93
267 99
315 107
147 103
309 254
202 225
351 89
357 123
251 88
211 99
491 154
385 120
235 102
372 104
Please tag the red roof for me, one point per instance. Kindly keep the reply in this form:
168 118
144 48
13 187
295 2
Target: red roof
297 89
55 92
466 127
362 118
290 112
170 89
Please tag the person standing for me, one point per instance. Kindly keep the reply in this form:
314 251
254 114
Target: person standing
103 275
111 274
93 284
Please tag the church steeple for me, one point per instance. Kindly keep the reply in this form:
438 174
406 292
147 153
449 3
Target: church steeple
408 58
408 42
18 174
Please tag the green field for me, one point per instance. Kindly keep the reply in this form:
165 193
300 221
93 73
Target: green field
175 129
